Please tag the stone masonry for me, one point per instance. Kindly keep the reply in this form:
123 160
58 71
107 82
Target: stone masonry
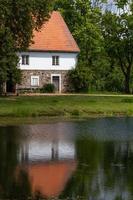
44 78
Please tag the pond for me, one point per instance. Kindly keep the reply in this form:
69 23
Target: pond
82 160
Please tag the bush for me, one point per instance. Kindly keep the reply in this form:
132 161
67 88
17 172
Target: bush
79 79
114 81
48 88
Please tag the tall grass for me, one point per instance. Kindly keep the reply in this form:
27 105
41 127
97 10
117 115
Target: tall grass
68 106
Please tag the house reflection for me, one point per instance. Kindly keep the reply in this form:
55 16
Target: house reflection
49 159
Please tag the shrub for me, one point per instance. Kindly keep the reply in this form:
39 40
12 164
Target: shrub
48 88
79 79
114 81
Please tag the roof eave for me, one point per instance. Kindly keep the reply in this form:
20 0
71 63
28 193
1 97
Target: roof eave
54 51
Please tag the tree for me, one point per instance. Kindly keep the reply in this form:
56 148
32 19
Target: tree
83 19
103 37
79 79
21 17
8 59
18 19
69 12
118 38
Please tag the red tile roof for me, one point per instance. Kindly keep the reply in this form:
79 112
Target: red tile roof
54 36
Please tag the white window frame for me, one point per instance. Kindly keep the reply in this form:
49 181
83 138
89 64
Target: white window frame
54 60
34 77
59 75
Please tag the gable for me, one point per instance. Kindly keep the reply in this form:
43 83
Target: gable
54 36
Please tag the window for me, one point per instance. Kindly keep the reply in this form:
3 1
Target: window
55 60
34 80
25 59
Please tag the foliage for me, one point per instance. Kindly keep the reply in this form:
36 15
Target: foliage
48 88
118 38
69 12
79 79
28 15
82 18
8 59
83 21
18 19
114 81
102 37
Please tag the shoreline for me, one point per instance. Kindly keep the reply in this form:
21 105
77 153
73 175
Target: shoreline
40 109
15 121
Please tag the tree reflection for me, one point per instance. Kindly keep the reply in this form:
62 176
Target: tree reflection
10 188
104 171
89 156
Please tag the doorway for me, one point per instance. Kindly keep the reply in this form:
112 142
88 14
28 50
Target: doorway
10 87
56 80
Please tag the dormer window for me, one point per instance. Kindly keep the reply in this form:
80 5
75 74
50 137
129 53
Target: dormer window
55 60
25 59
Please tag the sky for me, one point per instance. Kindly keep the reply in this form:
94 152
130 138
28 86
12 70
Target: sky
110 6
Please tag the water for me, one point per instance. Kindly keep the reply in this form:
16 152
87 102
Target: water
84 160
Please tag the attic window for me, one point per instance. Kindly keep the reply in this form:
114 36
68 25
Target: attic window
25 59
55 60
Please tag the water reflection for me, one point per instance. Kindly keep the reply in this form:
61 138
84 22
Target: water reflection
88 160
48 157
48 142
36 161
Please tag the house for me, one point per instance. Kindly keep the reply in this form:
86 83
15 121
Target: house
53 53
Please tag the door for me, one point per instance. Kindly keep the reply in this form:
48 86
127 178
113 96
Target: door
10 87
56 82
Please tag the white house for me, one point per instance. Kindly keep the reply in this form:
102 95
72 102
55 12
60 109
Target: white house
53 52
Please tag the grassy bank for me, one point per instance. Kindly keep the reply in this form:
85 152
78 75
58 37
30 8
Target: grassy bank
66 106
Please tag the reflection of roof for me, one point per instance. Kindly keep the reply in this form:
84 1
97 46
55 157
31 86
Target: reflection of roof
50 178
54 36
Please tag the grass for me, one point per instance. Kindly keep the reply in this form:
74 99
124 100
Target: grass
65 106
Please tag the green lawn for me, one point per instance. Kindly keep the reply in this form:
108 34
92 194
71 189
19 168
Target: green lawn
66 106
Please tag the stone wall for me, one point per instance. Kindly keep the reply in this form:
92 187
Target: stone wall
44 77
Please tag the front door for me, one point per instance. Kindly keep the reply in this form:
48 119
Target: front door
56 82
10 87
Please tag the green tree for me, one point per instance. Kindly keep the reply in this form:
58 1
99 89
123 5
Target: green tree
79 79
103 48
83 18
118 38
17 21
69 12
21 17
8 59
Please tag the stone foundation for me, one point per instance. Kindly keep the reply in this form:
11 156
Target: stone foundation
44 78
